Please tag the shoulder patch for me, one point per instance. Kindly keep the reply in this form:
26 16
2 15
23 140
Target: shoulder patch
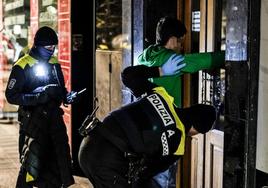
11 83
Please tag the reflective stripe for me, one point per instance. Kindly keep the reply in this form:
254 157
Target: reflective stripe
169 99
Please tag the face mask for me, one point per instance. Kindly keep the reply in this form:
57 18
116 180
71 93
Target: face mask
41 53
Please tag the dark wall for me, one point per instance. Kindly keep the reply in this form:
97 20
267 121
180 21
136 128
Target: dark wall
153 11
83 50
241 100
236 109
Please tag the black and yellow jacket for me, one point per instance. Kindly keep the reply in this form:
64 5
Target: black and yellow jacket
25 77
43 139
158 126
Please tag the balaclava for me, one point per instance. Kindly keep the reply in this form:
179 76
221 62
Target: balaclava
45 36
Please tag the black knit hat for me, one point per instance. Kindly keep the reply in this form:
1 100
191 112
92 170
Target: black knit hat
45 36
168 27
200 116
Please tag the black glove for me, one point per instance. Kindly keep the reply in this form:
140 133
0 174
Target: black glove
48 92
54 91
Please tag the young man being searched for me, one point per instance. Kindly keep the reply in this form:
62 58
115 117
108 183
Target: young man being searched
170 35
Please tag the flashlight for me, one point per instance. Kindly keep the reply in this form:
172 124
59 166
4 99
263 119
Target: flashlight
40 70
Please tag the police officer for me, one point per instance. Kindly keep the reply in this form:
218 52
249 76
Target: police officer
137 141
36 84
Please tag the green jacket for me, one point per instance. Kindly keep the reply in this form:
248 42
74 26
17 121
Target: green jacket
156 55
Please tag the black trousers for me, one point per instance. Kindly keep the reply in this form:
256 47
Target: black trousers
105 165
50 175
21 183
41 183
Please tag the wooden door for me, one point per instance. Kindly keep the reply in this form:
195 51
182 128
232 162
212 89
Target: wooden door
108 84
214 159
197 159
213 147
202 165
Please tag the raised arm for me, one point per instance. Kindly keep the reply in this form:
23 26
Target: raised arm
136 77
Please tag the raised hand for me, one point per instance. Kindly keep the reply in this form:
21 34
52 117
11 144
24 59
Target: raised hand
173 65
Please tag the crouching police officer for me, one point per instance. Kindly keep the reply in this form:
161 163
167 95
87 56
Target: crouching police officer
137 141
36 84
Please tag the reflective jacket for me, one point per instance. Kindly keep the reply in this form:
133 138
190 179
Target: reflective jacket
28 74
151 123
44 149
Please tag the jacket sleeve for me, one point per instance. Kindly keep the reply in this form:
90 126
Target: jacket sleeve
61 80
202 61
60 75
15 87
136 78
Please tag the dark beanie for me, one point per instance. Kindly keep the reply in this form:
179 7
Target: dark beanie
168 27
45 36
200 116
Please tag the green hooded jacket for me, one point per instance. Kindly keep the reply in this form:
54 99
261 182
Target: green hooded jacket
156 55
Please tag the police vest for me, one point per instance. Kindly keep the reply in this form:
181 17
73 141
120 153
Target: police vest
152 125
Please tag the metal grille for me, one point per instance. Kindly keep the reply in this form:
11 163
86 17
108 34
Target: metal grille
212 91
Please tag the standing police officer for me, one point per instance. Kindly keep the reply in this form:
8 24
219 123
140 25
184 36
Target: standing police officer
137 141
36 84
